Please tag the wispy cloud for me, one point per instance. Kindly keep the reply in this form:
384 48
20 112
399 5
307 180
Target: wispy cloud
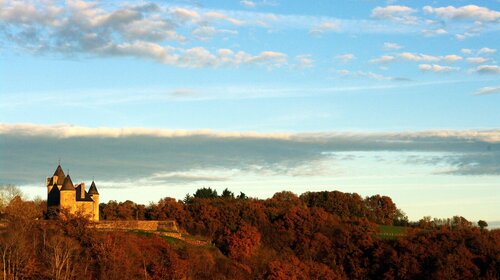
371 75
418 57
477 60
466 51
392 46
488 69
436 68
248 3
486 51
183 92
304 61
488 90
107 98
383 59
434 32
345 57
325 26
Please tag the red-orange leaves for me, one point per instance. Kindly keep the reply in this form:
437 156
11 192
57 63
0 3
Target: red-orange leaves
239 243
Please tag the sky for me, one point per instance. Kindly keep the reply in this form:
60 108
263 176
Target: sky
159 98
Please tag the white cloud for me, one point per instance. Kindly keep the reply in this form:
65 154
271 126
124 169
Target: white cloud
185 14
223 17
345 57
392 46
162 54
344 72
436 68
488 90
182 92
152 30
466 51
253 4
195 57
268 58
193 175
374 76
429 58
383 59
71 131
452 58
370 75
471 31
487 51
434 32
248 3
304 61
469 12
464 36
207 32
198 57
396 13
28 13
325 26
391 11
488 69
477 60
418 57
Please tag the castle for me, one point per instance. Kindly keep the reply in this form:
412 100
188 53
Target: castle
62 194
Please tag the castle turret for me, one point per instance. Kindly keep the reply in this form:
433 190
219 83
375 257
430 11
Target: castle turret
56 179
59 176
94 194
68 195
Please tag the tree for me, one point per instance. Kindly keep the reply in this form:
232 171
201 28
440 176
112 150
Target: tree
381 209
227 194
18 240
400 219
242 196
7 194
459 222
205 193
482 224
62 254
240 243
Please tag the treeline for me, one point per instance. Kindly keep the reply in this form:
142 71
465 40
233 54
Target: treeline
320 235
377 209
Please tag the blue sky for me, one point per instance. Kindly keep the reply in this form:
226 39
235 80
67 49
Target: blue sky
398 70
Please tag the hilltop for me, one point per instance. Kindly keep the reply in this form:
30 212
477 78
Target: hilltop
317 235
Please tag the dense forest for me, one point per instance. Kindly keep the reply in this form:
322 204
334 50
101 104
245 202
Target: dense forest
317 235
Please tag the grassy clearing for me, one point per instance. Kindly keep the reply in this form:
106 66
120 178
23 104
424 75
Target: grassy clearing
172 240
391 232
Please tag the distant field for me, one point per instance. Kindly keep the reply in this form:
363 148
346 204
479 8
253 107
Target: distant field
390 232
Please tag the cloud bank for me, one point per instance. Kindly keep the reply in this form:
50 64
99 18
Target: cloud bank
29 152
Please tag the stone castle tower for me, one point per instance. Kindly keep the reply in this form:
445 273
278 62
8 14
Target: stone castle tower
62 194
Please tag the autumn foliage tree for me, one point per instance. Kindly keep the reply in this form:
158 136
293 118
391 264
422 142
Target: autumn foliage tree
317 235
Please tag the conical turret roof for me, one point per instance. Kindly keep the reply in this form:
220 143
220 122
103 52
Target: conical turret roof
93 189
60 175
68 184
